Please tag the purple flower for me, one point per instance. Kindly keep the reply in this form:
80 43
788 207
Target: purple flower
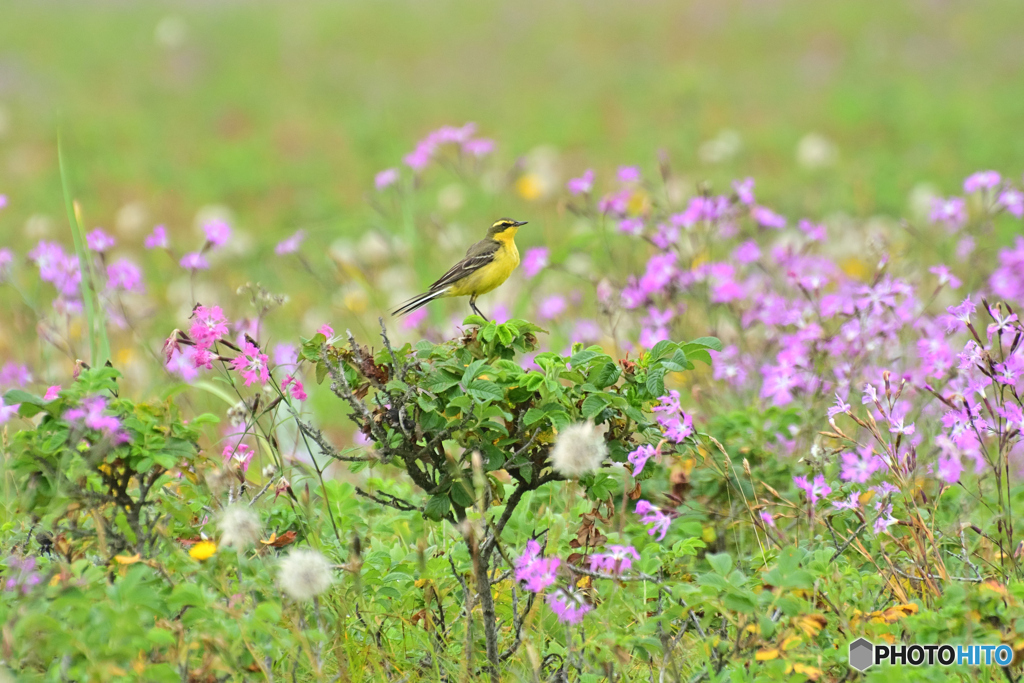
551 307
124 275
840 407
767 218
286 355
744 190
768 519
6 258
950 468
581 185
7 411
209 325
748 252
385 179
157 239
960 315
568 605
638 458
194 261
479 147
815 491
14 374
536 260
658 520
240 454
183 362
3 201
99 241
534 571
982 180
945 277
884 519
218 233
618 559
92 415
661 268
815 231
629 174
21 575
413 320
52 393
1013 201
951 212
252 364
851 503
631 226
860 466
291 244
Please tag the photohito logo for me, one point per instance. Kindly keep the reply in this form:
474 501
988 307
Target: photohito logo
864 654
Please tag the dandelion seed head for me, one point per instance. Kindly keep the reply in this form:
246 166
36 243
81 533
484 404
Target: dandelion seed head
304 574
239 527
579 450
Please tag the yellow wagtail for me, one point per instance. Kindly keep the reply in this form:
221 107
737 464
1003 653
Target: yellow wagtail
487 264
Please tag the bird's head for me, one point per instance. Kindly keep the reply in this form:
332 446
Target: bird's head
506 227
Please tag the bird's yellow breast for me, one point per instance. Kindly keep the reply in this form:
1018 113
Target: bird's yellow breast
506 259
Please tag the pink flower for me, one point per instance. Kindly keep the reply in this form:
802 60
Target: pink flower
252 364
1013 201
218 233
3 201
859 467
618 559
640 456
99 241
744 190
768 519
385 179
536 260
581 185
326 330
194 261
840 407
960 316
208 326
240 454
478 147
658 520
182 362
124 275
982 180
157 239
52 393
285 354
412 320
91 414
7 411
534 571
631 226
945 277
629 174
568 605
551 307
297 391
951 212
815 491
815 232
767 218
950 468
291 244
884 519
748 252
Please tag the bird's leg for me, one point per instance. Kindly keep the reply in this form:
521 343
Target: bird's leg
472 304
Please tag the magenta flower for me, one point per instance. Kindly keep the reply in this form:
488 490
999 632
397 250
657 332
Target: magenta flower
960 316
411 321
99 241
677 430
218 233
6 258
815 232
535 571
658 520
21 575
950 468
618 559
851 503
181 361
767 218
1013 201
536 260
859 467
951 212
252 364
629 174
125 276
884 519
92 415
291 244
748 252
285 355
744 190
568 605
385 179
551 307
768 519
157 239
841 406
661 269
7 411
581 185
982 180
52 393
815 491
209 324
631 226
478 147
240 454
14 374
638 458
326 330
945 277
3 201
293 385
194 261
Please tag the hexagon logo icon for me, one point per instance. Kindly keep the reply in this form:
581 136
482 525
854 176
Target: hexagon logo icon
862 654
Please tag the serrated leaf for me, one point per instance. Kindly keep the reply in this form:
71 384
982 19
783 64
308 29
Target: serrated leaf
533 415
437 507
505 335
656 382
605 376
485 390
662 348
592 405
713 343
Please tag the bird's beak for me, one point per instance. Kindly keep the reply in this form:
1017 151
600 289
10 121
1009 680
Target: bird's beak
518 223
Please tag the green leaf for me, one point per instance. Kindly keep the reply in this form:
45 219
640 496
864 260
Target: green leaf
473 319
533 415
605 375
662 348
656 382
439 382
593 404
20 396
583 357
487 331
720 562
505 335
437 507
713 343
460 496
485 390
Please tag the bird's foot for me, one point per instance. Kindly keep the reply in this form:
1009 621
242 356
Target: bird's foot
478 311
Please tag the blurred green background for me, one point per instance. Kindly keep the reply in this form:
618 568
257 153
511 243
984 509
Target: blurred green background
284 111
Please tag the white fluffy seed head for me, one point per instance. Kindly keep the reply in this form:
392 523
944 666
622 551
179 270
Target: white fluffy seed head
239 527
579 449
304 574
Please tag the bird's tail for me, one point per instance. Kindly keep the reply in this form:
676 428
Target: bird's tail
419 301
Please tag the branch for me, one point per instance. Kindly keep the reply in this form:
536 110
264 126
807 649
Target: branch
388 500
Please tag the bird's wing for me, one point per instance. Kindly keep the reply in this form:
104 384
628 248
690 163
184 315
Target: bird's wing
477 256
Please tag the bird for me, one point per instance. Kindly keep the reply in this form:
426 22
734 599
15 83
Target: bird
487 264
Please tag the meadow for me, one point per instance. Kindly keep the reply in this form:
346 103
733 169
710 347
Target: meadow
753 392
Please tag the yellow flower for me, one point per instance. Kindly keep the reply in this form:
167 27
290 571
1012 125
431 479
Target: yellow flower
203 550
529 187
